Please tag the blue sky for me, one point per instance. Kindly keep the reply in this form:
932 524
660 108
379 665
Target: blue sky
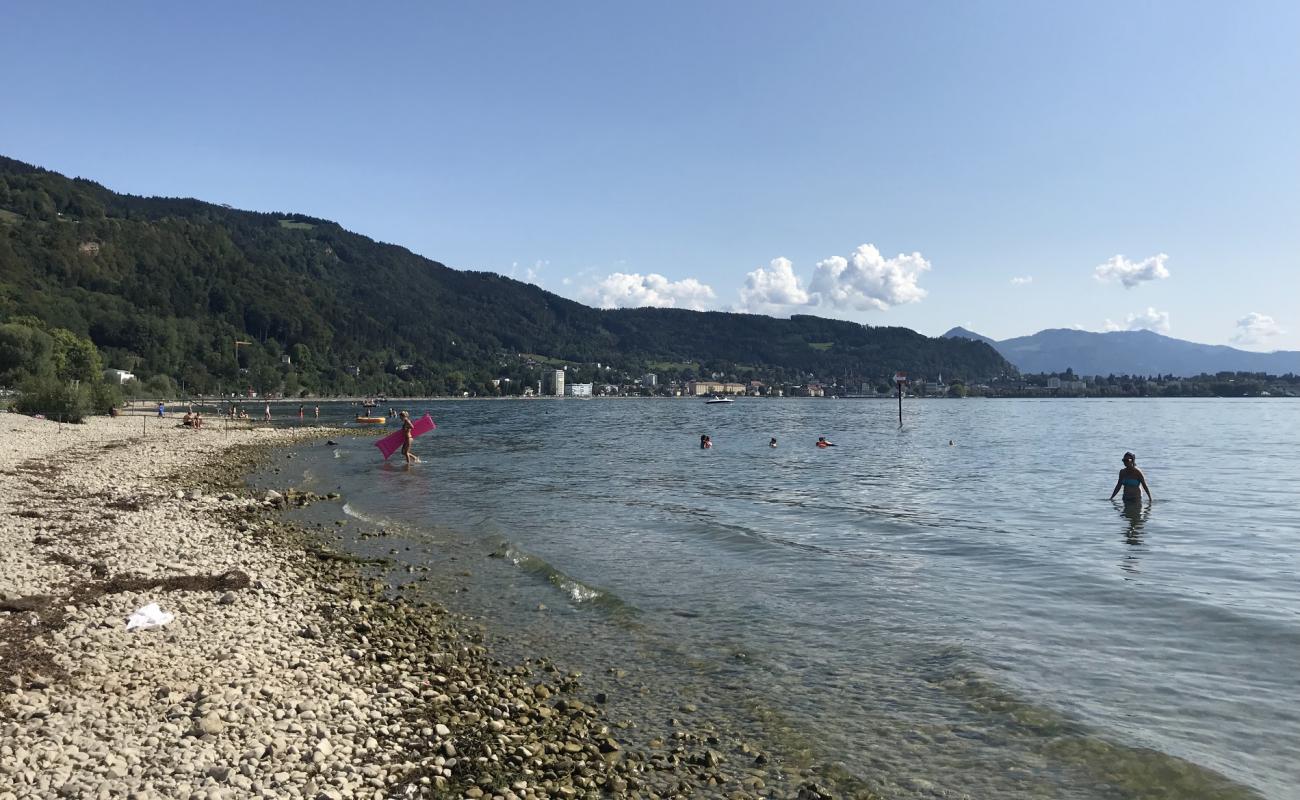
1007 166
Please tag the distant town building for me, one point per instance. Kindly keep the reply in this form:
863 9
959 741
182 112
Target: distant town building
285 359
553 382
118 376
353 370
649 380
578 390
699 388
1053 382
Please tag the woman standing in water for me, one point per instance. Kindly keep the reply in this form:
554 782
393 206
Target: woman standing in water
408 432
1132 481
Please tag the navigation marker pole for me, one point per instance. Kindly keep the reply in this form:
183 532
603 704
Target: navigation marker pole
900 378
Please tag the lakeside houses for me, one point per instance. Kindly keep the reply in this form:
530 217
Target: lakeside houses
118 376
578 390
701 388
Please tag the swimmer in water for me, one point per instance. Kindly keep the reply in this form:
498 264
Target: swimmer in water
705 441
1132 481
821 442
772 443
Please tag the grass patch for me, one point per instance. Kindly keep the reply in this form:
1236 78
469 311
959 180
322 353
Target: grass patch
558 362
821 345
662 366
10 216
295 225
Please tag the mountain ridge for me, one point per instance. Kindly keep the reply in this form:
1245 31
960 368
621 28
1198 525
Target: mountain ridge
1139 352
171 287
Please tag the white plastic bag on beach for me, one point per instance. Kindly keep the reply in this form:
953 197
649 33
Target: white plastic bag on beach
151 616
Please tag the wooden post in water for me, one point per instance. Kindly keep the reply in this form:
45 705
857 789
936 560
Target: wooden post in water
900 378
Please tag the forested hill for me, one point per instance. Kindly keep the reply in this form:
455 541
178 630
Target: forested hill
165 287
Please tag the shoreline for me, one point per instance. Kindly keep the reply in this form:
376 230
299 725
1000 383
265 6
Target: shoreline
288 670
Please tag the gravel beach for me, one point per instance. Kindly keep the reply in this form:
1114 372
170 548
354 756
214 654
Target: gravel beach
286 671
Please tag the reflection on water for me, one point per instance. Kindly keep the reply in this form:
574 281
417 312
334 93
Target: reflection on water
894 614
1135 517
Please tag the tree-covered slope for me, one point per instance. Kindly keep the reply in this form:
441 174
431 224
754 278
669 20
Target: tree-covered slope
168 286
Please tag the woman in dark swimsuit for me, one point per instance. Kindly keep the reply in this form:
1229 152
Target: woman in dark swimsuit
1132 481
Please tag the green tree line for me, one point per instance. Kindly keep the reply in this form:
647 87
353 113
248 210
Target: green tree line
166 287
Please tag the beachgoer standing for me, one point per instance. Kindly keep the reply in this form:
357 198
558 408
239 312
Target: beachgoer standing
266 415
408 436
317 415
1132 481
162 409
301 410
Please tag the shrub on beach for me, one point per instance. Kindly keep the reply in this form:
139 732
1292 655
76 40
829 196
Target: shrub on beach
104 397
56 399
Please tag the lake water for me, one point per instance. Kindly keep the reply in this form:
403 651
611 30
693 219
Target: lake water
964 620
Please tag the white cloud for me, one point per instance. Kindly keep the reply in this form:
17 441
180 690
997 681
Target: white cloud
1131 273
1149 320
1022 281
867 280
530 274
772 288
632 290
1255 328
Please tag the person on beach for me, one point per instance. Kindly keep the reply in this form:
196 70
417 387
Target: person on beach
1132 481
162 409
705 441
266 415
301 410
317 415
408 436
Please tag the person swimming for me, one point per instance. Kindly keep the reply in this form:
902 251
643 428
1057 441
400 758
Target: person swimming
772 443
1132 481
705 441
821 442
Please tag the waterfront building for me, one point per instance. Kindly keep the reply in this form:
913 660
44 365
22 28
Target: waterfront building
553 382
701 388
649 380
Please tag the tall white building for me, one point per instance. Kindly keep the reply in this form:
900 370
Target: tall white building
553 382
578 390
649 380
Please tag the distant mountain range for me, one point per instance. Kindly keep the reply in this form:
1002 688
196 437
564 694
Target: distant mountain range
1129 353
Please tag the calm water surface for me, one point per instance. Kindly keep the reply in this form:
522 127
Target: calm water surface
967 620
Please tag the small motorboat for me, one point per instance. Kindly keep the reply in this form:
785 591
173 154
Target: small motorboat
717 399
